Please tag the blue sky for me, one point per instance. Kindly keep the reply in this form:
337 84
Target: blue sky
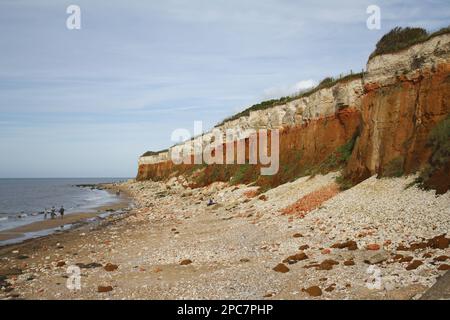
87 103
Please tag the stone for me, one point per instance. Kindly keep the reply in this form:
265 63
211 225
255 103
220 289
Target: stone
111 267
313 291
327 264
439 242
60 263
244 260
185 262
350 245
303 247
441 258
22 257
349 263
414 265
406 259
295 258
378 257
325 251
281 268
91 265
103 289
444 267
330 288
373 247
297 235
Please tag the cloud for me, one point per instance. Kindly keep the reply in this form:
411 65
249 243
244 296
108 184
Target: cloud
277 92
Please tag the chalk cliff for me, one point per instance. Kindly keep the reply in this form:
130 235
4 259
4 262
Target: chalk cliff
383 117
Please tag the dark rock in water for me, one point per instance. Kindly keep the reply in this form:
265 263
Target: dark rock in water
281 268
103 289
414 265
185 262
88 265
313 291
111 267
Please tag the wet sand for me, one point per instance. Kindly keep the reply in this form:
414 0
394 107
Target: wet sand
71 218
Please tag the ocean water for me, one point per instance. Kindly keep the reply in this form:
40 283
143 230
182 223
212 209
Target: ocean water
22 201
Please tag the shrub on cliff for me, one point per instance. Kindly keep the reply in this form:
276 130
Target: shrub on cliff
402 38
436 174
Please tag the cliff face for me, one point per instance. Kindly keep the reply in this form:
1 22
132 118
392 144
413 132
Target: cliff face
396 121
390 110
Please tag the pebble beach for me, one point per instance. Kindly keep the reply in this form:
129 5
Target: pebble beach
382 239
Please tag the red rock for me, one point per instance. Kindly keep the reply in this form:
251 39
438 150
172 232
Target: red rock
313 291
103 289
373 246
349 263
326 251
297 235
441 258
61 263
110 267
350 245
444 267
281 268
185 262
295 258
414 265
406 259
330 287
327 264
427 255
262 197
439 242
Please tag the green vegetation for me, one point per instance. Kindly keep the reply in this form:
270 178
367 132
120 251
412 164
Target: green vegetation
325 83
153 153
401 38
439 141
394 168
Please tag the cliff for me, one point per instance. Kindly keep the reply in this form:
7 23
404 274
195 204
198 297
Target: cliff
376 123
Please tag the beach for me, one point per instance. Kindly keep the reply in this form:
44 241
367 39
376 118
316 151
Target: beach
378 240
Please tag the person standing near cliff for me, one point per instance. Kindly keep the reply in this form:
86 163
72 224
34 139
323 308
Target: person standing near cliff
61 212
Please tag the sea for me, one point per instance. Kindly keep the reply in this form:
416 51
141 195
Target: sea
23 201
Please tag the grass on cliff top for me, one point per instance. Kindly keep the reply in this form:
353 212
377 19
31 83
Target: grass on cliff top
401 38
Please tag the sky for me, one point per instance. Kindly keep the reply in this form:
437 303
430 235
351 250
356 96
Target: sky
88 102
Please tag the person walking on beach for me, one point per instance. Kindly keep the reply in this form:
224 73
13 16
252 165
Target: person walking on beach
53 212
61 212
45 213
